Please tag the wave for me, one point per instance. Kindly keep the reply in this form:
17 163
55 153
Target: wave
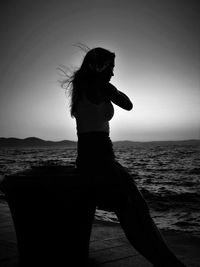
172 201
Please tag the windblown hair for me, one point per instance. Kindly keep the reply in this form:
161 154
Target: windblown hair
95 63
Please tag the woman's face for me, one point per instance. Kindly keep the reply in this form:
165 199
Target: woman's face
108 72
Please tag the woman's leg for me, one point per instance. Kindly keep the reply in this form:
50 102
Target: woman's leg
140 229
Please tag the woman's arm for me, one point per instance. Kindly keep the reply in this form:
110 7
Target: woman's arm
118 98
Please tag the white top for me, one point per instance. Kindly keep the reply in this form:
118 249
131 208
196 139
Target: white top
92 117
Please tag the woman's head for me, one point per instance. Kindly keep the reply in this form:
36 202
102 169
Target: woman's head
97 66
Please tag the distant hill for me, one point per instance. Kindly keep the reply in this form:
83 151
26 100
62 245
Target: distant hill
33 142
37 142
128 143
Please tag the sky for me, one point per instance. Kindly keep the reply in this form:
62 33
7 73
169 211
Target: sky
157 47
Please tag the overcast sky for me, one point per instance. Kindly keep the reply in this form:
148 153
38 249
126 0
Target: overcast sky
157 47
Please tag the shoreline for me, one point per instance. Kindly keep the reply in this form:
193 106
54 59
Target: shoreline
164 231
117 224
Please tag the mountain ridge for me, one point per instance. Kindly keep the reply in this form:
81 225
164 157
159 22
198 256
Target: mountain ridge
35 141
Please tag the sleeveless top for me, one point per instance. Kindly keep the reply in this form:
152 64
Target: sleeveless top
91 117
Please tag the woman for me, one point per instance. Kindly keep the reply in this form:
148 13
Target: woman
111 185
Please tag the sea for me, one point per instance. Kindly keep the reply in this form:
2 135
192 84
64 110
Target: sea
167 174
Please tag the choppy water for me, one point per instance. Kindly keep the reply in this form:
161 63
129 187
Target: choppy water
167 175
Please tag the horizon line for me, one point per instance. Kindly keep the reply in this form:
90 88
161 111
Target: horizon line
121 140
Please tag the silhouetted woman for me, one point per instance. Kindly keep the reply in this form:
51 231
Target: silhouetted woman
112 187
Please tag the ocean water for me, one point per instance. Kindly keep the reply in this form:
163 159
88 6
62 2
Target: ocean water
167 175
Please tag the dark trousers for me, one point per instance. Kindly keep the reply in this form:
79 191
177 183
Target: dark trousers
112 188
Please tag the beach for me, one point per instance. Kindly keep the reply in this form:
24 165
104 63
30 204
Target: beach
108 245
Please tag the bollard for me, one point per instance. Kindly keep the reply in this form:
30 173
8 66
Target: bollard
52 209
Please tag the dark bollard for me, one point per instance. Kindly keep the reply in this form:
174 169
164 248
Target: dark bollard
52 209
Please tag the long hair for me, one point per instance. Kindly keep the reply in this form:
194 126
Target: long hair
95 63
